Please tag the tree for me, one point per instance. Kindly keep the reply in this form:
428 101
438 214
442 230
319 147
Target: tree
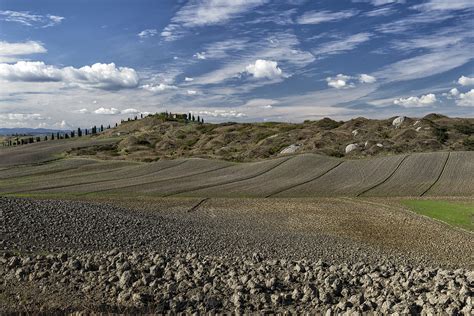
52 136
116 124
101 128
79 132
189 116
193 118
73 133
141 115
202 120
199 119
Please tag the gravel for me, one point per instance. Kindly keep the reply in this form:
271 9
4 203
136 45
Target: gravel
78 256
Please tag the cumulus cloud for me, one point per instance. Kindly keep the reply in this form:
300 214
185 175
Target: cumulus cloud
192 92
466 81
223 113
316 17
364 78
29 19
10 52
107 111
454 92
339 82
101 76
187 79
261 103
159 88
147 33
413 102
264 69
466 99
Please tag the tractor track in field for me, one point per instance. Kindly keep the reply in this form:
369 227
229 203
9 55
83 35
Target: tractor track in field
386 179
439 175
230 181
304 182
195 207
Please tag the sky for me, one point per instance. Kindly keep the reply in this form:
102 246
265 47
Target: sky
65 64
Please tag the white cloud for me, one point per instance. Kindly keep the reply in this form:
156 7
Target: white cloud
211 12
444 5
192 92
380 2
413 21
339 82
188 79
107 111
316 17
159 88
82 111
381 12
30 71
130 111
147 33
198 13
466 99
264 69
342 45
283 47
222 113
364 78
28 19
454 92
260 103
412 102
201 55
101 76
9 52
426 65
63 124
466 81
21 117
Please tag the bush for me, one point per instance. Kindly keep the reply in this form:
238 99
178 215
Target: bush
465 128
441 134
469 143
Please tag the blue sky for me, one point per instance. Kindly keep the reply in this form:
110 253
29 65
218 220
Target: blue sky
77 63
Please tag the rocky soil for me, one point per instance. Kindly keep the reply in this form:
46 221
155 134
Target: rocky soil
77 256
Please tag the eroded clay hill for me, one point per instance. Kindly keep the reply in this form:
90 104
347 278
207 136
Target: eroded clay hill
154 138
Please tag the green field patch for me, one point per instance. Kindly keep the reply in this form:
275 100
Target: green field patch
459 214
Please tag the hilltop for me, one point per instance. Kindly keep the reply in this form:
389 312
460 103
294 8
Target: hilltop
153 138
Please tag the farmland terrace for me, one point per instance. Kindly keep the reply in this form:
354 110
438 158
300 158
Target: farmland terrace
294 233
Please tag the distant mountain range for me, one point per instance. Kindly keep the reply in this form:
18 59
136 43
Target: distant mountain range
29 131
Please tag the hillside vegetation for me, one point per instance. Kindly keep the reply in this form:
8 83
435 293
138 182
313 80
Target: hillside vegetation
153 138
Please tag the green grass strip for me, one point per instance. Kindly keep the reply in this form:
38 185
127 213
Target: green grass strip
458 214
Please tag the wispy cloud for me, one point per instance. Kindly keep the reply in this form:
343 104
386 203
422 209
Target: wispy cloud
317 17
342 45
443 5
426 65
29 19
197 13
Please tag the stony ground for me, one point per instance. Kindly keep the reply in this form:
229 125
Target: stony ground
158 257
